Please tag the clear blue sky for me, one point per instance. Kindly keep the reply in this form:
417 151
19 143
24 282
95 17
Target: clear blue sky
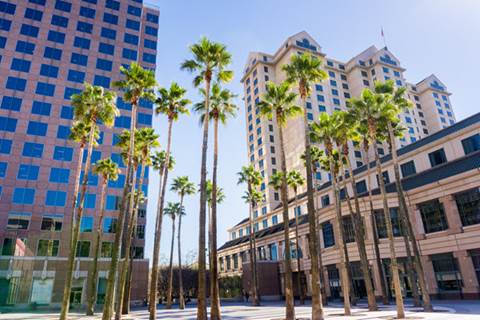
428 36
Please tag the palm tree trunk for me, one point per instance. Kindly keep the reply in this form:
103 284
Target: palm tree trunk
201 298
289 298
112 273
76 226
181 298
94 273
313 244
388 222
170 268
343 268
253 254
214 287
427 304
378 259
360 239
299 280
320 264
158 228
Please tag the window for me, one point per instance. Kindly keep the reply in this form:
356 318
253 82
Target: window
87 12
386 178
109 224
408 168
348 230
7 8
86 224
3 169
122 122
52 53
382 227
84 27
83 249
325 201
41 108
63 5
15 83
66 113
108 33
136 11
55 36
106 249
63 132
152 18
149 44
433 216
447 273
471 144
151 58
76 76
328 236
31 149
5 146
18 220
29 31
55 198
23 195
28 172
20 65
52 222
132 24
110 18
45 89
145 119
468 204
69 92
129 54
8 124
112 4
36 128
48 71
101 81
151 31
48 248
437 157
25 47
59 21
59 175
361 186
82 43
106 48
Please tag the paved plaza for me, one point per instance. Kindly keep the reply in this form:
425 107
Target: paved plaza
451 310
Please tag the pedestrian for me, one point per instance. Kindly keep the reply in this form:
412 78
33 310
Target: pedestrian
247 295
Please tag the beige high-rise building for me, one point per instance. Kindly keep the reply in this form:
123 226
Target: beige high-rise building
432 109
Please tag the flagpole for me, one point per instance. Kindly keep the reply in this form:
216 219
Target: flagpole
383 37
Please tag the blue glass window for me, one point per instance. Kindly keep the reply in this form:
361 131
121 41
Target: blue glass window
66 112
149 44
8 124
123 122
112 203
23 195
15 83
28 172
5 146
63 5
123 105
52 53
328 236
80 42
136 11
90 199
5 24
151 58
335 92
320 98
87 13
59 21
28 30
132 24
105 65
62 153
63 132
151 31
117 158
40 2
48 71
11 103
471 144
20 65
33 14
36 128
129 54
318 87
3 169
86 224
106 48
130 38
322 108
108 33
112 4
55 36
79 59
152 18
110 18
333 83
25 47
84 27
45 89
69 92
3 42
145 119
55 198
117 184
96 155
101 81
76 76
336 102
59 175
8 8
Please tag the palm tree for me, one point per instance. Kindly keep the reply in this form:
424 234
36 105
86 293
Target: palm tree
109 171
138 83
279 102
344 133
294 181
209 61
396 102
92 105
305 70
368 111
146 140
172 210
172 103
324 132
182 186
253 179
221 108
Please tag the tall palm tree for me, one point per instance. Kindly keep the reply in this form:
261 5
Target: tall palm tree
138 83
146 141
253 179
172 103
323 131
395 103
279 102
221 108
368 111
94 104
172 210
183 187
294 181
109 171
305 70
344 134
210 59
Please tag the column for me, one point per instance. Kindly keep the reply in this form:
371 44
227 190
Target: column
452 215
470 287
417 223
429 275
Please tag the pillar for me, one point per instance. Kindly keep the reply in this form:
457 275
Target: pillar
452 215
470 287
